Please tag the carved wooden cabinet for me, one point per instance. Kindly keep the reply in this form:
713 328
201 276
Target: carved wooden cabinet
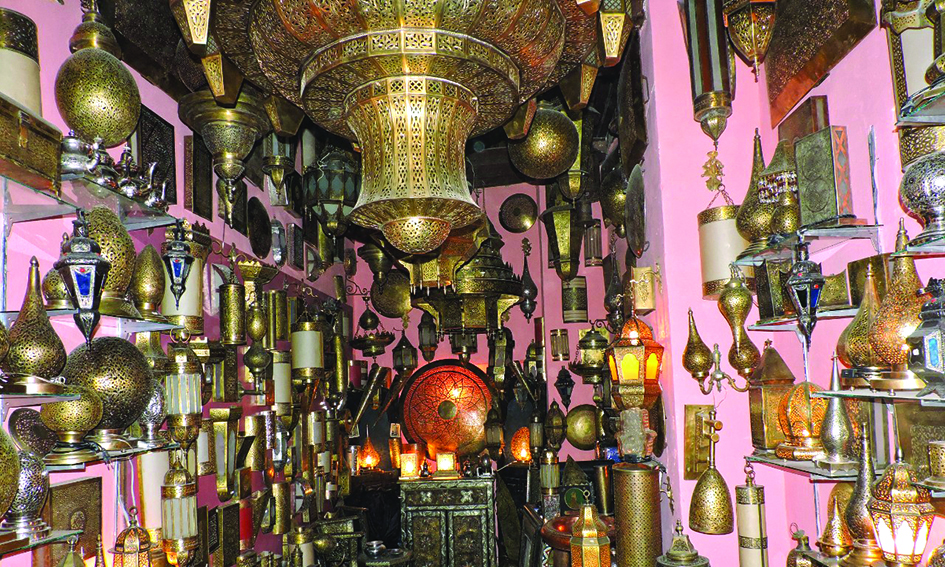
449 523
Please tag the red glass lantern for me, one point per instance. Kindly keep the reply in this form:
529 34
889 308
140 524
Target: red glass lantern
635 360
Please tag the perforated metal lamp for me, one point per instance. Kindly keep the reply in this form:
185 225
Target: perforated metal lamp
429 338
133 544
495 434
805 284
405 356
337 185
902 514
83 269
178 261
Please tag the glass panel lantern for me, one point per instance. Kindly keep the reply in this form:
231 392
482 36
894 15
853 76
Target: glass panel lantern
446 465
336 189
179 513
902 514
133 544
409 466
429 338
635 359
182 389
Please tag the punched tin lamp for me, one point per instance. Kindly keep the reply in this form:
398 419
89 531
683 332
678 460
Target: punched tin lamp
590 363
133 545
805 283
902 514
83 269
429 338
178 261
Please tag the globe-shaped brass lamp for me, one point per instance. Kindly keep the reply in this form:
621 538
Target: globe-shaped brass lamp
96 95
550 147
117 371
32 487
9 469
147 283
55 291
35 348
71 420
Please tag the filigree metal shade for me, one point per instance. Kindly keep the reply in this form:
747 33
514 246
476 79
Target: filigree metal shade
411 80
800 417
445 405
902 514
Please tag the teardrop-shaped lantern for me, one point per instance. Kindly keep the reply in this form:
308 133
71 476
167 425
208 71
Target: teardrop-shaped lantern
35 348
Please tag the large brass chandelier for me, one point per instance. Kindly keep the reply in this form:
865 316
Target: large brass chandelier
410 80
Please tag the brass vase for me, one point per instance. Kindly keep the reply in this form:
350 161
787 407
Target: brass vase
35 348
118 372
118 248
147 284
896 318
853 346
753 221
735 304
71 421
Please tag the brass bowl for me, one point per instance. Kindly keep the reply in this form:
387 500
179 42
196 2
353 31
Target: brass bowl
97 97
147 282
581 427
550 147
118 372
71 420
118 248
55 291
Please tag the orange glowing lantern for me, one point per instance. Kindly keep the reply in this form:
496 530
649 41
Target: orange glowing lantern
446 465
368 457
409 466
590 546
635 359
521 449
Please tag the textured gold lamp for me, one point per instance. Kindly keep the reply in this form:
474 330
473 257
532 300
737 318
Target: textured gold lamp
133 544
896 319
117 371
853 346
549 149
735 304
229 134
590 546
71 420
193 19
902 514
708 65
96 95
710 510
753 221
635 359
767 386
565 234
697 358
801 417
147 284
117 247
749 24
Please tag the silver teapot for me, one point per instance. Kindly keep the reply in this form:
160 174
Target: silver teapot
103 173
77 157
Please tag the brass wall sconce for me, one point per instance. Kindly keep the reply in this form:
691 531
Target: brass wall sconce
560 345
710 510
226 446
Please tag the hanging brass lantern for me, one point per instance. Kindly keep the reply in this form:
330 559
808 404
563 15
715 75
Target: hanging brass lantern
550 147
229 134
635 359
614 26
429 336
590 361
708 65
178 261
404 356
187 311
96 94
337 184
565 233
735 305
554 427
179 512
182 387
84 270
529 302
371 341
749 24
804 284
710 510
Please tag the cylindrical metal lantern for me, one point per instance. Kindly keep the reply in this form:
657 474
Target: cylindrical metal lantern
719 245
574 300
232 314
752 530
278 311
308 349
637 497
709 65
19 59
187 312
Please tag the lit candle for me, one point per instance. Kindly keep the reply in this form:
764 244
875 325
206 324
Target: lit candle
409 466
